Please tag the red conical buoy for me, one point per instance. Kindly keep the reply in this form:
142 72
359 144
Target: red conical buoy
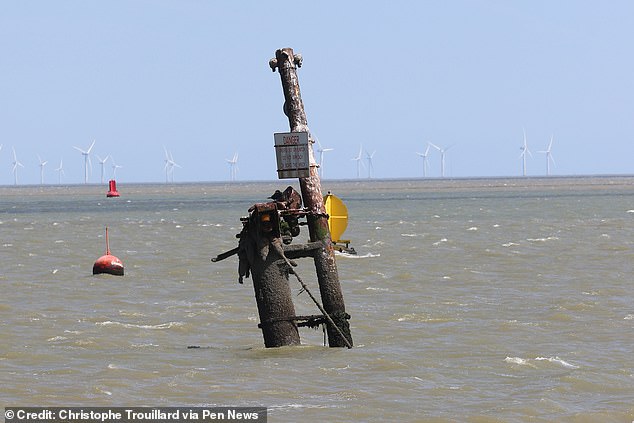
112 189
108 263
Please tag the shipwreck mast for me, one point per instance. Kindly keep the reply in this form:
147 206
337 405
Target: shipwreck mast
286 62
264 249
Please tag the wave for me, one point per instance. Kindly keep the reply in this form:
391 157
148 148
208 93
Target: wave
550 238
144 345
167 325
527 362
357 256
558 361
517 360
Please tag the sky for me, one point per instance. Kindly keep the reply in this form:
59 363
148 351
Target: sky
192 77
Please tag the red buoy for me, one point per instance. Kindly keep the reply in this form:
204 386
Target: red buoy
112 189
108 263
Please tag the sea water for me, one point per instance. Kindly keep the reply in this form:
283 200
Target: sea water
471 300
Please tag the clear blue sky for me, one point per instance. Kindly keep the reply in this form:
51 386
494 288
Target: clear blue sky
192 76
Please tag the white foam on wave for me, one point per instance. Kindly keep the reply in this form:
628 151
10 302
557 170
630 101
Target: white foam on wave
440 241
167 325
557 360
517 360
130 313
372 288
357 256
144 345
527 362
299 406
629 317
550 238
102 391
509 244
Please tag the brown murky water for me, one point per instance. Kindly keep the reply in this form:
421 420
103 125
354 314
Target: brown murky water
471 300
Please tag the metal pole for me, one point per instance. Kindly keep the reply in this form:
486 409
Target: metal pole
330 289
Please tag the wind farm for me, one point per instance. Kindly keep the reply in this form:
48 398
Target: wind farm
364 167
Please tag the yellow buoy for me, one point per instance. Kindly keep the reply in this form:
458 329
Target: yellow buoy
337 217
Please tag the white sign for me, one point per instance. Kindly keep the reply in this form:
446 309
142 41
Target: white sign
291 151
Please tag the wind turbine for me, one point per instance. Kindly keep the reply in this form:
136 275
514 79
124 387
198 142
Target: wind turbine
359 162
173 164
321 150
16 163
170 164
167 165
233 167
42 164
549 156
87 161
114 169
60 171
442 158
102 162
525 150
424 156
370 167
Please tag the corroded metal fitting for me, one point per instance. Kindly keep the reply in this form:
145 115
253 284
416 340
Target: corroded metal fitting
297 60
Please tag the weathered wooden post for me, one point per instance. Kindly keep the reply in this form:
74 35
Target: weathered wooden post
261 255
285 62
